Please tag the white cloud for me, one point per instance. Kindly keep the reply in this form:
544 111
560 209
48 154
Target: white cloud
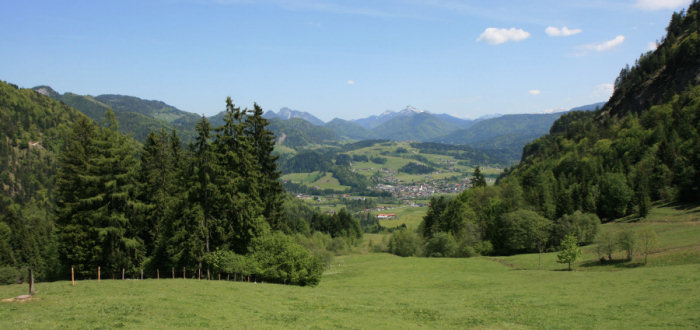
496 36
563 32
350 82
534 92
661 4
652 45
603 90
606 45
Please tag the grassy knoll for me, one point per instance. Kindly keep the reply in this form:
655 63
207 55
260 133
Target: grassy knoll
377 291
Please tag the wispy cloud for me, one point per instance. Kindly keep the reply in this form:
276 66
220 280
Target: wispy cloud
350 82
603 90
495 36
652 45
661 4
563 32
534 92
603 46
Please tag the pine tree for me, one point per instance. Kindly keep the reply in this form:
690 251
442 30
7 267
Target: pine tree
240 204
478 179
115 205
204 192
73 196
96 199
156 177
271 190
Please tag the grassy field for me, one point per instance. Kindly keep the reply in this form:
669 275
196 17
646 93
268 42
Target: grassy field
316 179
411 216
378 290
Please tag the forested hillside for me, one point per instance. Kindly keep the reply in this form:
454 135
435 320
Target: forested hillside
642 147
136 116
32 127
82 196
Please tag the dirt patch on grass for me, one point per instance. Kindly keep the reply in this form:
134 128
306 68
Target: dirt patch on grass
20 299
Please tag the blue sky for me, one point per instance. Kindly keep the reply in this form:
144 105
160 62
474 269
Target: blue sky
346 59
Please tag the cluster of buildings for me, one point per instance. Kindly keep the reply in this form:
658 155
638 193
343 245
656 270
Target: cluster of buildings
424 190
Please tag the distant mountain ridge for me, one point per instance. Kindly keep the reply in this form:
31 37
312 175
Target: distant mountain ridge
287 113
298 128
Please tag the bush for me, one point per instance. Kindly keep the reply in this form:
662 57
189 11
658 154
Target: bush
483 248
282 260
584 225
9 275
606 245
441 245
405 243
627 240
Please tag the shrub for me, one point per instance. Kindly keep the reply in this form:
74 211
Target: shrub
9 275
606 245
441 245
627 240
584 225
483 248
405 243
280 259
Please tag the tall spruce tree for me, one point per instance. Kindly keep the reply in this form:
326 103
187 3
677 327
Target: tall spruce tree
156 179
96 201
271 190
241 208
119 246
73 196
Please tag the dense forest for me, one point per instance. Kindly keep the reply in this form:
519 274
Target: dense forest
642 147
82 195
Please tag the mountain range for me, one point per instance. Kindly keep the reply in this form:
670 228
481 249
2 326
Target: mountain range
296 129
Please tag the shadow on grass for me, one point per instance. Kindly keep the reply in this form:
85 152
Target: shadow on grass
679 206
617 263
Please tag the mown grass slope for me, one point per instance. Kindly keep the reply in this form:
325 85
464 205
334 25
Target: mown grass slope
385 291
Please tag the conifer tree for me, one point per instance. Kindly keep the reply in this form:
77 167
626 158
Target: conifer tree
204 192
156 180
478 179
115 205
96 199
271 190
240 204
73 196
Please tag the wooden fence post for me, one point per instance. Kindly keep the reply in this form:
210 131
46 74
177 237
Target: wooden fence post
157 274
199 273
219 276
173 269
183 272
72 276
99 275
208 278
122 273
31 282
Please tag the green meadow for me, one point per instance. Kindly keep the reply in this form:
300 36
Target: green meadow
378 290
